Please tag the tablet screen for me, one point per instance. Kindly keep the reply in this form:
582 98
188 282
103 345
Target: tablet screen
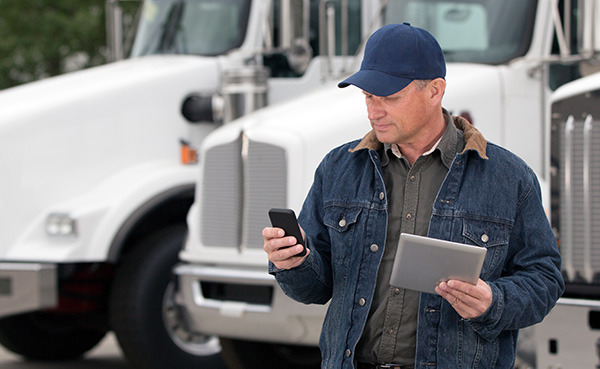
422 262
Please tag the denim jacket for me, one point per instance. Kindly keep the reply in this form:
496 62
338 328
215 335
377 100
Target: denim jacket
489 198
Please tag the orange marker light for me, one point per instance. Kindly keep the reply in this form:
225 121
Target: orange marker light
189 155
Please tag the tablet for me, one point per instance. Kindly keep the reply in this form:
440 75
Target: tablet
422 262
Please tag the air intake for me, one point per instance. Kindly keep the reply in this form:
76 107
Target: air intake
242 181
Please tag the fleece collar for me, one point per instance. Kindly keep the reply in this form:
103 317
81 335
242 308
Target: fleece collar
474 140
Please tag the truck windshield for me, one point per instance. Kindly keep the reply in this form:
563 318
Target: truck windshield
199 27
471 31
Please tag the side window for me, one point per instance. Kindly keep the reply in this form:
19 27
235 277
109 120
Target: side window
278 63
354 26
559 74
458 26
471 31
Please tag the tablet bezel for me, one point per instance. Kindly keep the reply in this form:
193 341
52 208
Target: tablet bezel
422 262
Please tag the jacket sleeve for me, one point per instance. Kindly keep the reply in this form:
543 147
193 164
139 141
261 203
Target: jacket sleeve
531 282
311 282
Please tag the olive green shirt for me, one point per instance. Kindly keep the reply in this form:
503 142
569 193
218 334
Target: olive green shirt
389 335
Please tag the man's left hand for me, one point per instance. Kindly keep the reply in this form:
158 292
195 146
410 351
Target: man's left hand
468 300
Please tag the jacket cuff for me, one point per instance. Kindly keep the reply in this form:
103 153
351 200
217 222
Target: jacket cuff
487 323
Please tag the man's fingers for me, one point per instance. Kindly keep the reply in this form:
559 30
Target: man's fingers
286 253
274 239
281 250
468 300
272 232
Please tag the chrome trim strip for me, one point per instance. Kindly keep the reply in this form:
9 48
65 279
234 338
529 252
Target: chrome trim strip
567 228
587 199
578 302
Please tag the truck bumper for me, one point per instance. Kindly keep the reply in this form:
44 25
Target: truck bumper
245 304
26 287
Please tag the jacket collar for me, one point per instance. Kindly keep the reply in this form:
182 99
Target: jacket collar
474 140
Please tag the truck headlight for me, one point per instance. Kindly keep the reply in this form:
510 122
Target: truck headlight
203 108
60 224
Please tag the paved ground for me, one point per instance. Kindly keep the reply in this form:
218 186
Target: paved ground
105 356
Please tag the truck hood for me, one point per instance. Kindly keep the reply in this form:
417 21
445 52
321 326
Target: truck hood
306 129
63 136
332 116
90 83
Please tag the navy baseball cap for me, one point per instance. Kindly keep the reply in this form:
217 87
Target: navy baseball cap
395 55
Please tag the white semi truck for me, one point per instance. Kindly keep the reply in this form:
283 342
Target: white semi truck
569 337
98 169
505 59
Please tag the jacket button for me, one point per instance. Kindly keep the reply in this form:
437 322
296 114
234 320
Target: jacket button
362 301
485 238
374 248
342 223
348 353
381 196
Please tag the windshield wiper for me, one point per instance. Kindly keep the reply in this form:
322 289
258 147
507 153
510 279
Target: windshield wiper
171 27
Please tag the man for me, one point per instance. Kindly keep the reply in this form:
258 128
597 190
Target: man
418 171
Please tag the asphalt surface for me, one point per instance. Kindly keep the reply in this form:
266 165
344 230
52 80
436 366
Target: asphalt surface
106 355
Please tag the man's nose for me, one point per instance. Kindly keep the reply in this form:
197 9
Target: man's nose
374 109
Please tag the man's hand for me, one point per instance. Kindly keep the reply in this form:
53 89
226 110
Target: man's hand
468 300
282 258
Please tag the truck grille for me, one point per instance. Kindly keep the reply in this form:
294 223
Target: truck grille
242 181
579 197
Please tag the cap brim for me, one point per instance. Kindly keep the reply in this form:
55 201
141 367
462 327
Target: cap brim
375 82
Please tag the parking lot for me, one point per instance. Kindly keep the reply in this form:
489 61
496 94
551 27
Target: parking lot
105 356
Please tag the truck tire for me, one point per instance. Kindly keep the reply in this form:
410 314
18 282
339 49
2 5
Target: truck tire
240 354
48 336
149 327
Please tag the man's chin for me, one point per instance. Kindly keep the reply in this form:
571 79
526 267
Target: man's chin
384 137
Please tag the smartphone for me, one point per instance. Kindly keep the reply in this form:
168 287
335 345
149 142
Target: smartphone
286 220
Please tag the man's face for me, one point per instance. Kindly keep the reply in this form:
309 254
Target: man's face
401 118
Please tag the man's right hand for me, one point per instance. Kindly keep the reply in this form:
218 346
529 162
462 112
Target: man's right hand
282 258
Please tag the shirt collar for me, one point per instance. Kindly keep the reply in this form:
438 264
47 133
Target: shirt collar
473 139
447 144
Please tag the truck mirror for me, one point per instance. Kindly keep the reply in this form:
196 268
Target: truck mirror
114 29
294 33
299 56
588 13
589 39
593 35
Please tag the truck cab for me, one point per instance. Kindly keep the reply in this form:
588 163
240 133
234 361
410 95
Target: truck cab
504 60
99 169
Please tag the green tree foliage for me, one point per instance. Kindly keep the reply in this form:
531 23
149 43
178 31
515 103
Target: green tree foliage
42 38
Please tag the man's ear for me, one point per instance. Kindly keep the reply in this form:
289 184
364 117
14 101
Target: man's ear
437 87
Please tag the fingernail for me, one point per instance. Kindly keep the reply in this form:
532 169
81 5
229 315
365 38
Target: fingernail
451 283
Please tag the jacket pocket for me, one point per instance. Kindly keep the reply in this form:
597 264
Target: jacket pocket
341 220
494 237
